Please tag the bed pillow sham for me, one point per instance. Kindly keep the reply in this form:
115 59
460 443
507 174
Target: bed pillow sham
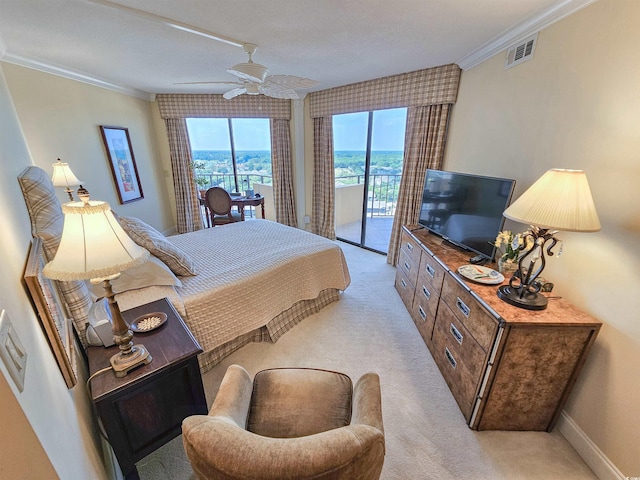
148 237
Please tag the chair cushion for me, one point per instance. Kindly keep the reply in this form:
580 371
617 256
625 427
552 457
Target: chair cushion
295 402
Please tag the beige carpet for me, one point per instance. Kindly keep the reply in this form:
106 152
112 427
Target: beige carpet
369 329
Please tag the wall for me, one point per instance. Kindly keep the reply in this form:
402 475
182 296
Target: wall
45 416
61 118
576 104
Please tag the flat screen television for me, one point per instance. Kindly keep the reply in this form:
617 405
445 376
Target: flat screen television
465 209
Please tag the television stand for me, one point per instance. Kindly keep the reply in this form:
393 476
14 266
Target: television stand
507 368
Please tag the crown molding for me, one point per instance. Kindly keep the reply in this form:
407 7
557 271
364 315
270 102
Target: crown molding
521 31
73 75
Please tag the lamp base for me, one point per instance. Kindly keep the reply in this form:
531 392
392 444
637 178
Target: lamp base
122 364
528 301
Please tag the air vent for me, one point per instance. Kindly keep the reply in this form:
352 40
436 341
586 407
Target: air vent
521 52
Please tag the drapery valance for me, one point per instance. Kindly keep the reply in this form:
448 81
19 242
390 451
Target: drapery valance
216 106
431 86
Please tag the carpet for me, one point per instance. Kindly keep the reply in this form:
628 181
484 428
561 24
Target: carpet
427 438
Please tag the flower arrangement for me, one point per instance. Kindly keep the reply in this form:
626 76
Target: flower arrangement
511 243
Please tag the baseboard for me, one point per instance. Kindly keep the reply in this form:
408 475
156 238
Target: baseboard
589 451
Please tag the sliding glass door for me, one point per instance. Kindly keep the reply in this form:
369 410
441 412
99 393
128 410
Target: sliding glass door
368 154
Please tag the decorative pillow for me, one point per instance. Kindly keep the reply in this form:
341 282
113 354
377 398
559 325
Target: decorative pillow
47 222
148 237
151 272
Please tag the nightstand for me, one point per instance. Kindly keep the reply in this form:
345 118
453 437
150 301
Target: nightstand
144 410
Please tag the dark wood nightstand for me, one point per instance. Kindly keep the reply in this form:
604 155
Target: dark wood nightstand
145 409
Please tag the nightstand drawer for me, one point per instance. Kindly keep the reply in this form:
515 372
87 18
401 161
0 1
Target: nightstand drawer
468 311
459 357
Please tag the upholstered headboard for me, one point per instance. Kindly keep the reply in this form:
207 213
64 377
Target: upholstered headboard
47 221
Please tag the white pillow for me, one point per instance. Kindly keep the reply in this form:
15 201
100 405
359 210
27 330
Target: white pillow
151 272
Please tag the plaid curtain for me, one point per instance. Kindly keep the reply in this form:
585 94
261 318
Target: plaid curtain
281 167
323 195
424 148
437 87
430 86
187 203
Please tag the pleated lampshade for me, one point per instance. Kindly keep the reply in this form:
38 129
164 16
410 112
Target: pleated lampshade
93 245
63 176
560 200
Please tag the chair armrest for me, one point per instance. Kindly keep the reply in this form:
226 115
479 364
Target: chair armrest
367 402
217 449
234 396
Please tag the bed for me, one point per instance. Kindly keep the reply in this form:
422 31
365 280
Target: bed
248 281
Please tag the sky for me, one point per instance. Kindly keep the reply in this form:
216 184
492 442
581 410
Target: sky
350 132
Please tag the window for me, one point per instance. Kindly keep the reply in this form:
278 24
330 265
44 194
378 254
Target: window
232 153
368 154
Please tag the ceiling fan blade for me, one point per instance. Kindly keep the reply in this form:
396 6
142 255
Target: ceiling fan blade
291 81
234 93
278 91
208 83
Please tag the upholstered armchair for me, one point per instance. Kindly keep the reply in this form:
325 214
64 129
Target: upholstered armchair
289 423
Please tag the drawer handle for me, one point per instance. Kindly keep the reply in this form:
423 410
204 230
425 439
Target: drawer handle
426 292
404 284
462 307
407 266
431 271
456 333
449 356
409 247
422 313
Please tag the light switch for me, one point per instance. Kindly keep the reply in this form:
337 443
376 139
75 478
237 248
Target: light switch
13 354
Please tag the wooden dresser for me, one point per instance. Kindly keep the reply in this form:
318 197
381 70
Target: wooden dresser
508 368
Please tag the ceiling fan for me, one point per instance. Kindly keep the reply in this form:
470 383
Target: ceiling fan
254 79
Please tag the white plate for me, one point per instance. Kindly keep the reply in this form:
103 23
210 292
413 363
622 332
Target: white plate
481 274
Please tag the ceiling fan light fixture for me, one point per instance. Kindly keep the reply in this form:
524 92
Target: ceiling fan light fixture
254 72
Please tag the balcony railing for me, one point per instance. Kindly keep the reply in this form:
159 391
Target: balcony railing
228 182
382 196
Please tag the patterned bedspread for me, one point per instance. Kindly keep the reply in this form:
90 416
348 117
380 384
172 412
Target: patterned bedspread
248 273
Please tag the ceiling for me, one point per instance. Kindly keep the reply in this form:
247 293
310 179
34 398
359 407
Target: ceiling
144 47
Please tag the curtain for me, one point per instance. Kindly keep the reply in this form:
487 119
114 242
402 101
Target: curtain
187 203
424 148
281 167
323 194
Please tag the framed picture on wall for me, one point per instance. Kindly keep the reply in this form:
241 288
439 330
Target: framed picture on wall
51 309
122 162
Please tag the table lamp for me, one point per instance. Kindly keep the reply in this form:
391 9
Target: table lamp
94 247
559 200
63 177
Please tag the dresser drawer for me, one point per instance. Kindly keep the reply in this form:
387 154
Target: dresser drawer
431 272
405 289
460 358
468 311
411 247
425 308
408 267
